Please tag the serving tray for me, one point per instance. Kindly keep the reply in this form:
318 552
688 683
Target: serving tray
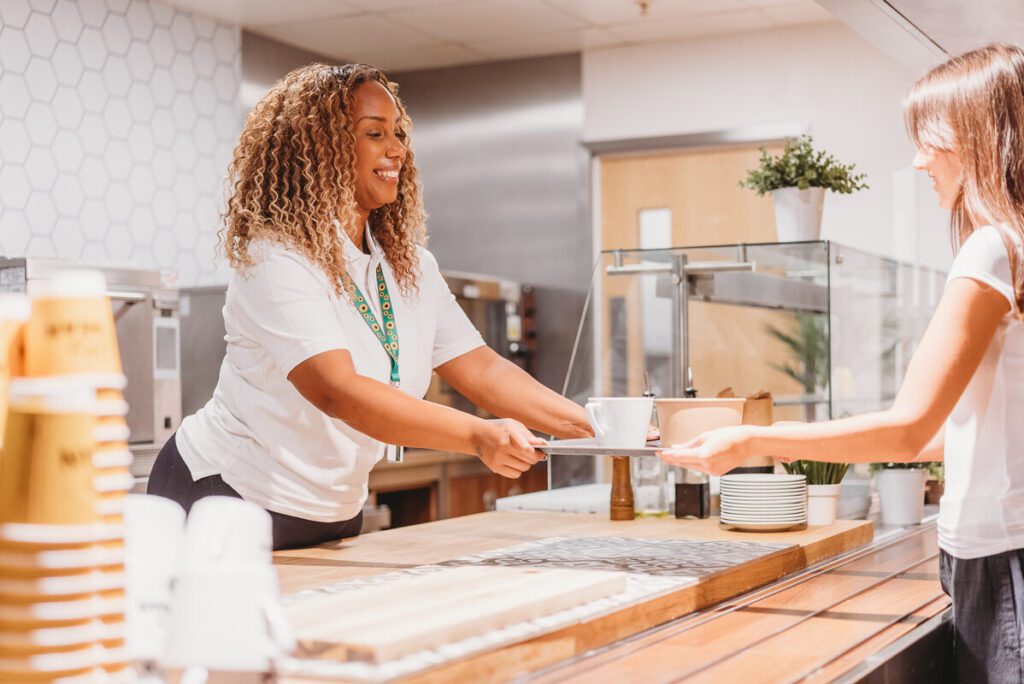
588 447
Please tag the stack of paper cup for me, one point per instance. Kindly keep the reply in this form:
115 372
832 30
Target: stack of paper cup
71 337
51 561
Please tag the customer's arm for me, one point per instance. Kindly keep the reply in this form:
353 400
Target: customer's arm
949 354
503 388
329 381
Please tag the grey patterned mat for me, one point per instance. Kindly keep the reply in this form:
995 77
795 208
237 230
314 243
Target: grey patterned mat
664 557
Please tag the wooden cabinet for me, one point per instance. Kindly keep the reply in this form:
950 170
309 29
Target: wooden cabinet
478 493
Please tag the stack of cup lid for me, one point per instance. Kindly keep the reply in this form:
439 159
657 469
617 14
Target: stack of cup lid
70 350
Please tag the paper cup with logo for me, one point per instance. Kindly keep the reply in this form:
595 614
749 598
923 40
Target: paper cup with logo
14 312
46 473
71 329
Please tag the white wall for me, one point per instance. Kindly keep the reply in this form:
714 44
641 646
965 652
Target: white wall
825 76
117 121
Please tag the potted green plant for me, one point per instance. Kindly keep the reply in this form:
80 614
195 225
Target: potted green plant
797 181
822 488
901 491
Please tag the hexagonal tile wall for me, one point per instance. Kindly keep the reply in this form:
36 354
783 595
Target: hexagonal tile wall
117 121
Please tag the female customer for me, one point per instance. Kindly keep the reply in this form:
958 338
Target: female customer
335 316
966 118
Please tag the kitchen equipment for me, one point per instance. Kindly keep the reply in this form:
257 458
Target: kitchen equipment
145 308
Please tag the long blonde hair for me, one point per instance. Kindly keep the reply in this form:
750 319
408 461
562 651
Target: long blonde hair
293 174
973 104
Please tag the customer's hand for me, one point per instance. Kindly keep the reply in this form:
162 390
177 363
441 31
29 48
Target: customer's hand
507 447
715 452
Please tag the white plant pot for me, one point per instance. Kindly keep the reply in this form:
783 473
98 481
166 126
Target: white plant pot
901 495
798 213
822 502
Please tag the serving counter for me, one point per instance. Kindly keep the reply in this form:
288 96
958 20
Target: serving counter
405 549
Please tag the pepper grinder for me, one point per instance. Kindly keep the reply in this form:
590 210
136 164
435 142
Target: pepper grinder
622 490
693 491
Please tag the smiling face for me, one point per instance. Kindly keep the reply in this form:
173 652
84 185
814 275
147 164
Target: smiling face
946 171
379 146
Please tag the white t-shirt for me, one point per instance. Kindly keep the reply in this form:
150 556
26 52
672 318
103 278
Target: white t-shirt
267 442
982 509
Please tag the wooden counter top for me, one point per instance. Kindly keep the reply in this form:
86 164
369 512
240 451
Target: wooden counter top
432 543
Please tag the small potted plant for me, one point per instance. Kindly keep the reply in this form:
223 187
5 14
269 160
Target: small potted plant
797 181
822 488
901 491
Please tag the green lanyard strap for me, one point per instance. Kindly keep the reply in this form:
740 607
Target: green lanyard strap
388 334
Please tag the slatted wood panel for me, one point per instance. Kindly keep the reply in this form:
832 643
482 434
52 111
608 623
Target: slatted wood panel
419 612
813 630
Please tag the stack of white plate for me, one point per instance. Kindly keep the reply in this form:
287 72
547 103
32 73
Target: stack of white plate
763 502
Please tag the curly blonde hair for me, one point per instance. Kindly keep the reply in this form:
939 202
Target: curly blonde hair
293 174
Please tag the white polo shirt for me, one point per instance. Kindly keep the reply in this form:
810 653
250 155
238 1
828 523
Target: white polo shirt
265 440
982 509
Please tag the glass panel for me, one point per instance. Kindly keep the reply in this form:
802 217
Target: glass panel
827 330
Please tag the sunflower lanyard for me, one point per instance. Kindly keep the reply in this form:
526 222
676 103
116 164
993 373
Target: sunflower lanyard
387 334
388 338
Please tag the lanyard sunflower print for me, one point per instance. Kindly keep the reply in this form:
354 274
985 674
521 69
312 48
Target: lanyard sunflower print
387 334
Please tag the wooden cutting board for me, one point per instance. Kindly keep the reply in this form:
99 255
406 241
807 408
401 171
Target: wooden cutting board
410 614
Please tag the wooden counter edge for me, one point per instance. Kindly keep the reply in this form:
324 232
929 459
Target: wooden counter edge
546 649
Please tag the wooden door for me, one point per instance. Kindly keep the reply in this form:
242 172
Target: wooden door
729 346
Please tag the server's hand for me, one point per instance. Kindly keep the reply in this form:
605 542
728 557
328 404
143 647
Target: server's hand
507 447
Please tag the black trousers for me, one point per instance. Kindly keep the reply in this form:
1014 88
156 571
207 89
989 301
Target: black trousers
988 616
171 478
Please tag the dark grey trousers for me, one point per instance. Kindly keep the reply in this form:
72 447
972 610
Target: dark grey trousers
171 479
988 616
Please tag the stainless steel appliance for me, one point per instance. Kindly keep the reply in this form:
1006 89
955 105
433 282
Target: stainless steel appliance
145 307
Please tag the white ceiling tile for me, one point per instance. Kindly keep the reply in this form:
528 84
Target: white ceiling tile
347 38
793 14
488 20
690 27
548 44
422 58
604 12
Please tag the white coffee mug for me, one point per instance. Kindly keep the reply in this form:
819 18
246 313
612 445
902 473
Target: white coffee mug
620 422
